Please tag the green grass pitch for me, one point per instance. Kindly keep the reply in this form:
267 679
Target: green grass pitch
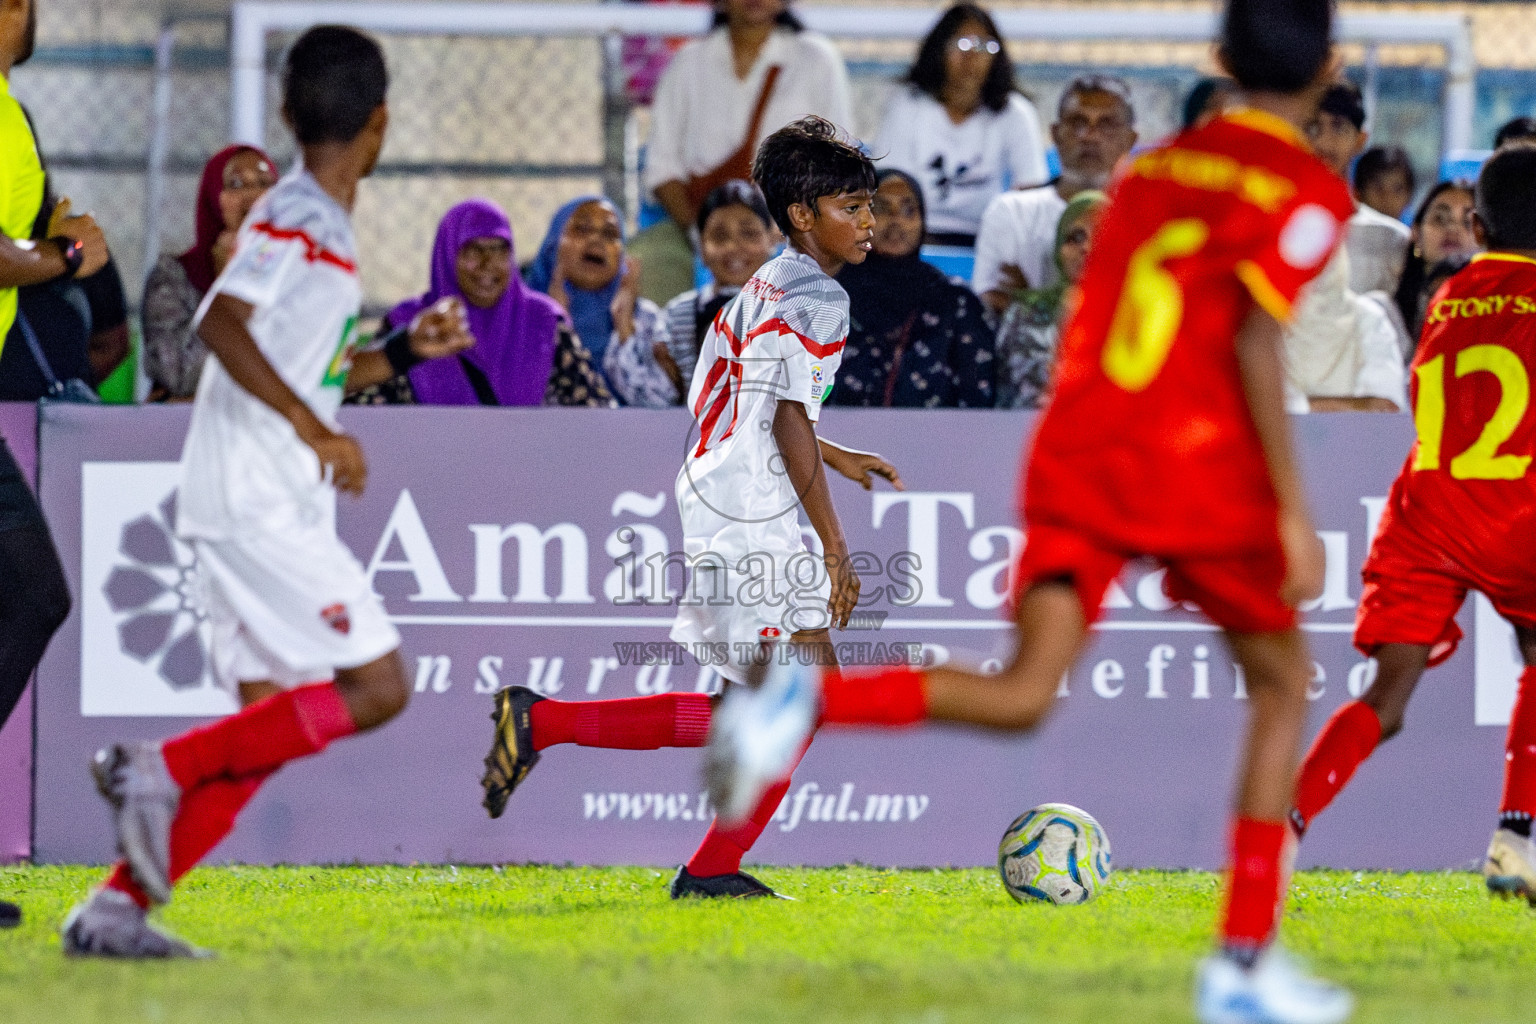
532 944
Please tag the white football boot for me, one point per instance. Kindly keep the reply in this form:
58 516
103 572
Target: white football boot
1510 867
110 924
757 733
1274 991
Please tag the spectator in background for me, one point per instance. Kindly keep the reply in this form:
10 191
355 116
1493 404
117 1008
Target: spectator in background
916 338
231 183
79 325
582 266
1343 346
1376 243
960 126
1206 101
736 236
1520 131
1094 130
1030 329
1442 232
520 334
756 71
634 371
1384 181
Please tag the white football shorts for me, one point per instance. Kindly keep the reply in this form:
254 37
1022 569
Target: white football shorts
289 609
734 602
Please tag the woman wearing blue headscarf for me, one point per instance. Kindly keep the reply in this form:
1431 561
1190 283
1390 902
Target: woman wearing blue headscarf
581 265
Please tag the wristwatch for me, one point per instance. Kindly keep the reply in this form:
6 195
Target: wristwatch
73 251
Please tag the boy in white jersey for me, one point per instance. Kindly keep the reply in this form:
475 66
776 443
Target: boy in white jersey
765 367
297 631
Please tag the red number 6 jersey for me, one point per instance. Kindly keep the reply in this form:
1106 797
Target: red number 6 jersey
1148 444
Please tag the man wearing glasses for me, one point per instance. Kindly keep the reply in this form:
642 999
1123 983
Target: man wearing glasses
1015 249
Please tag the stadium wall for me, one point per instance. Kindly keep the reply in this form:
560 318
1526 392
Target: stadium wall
535 573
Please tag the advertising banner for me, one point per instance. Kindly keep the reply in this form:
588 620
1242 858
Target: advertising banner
542 547
18 428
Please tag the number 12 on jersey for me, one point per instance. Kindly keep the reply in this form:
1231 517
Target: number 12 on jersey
1481 461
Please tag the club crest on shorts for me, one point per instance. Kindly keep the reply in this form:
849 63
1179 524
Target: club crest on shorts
818 375
336 617
769 633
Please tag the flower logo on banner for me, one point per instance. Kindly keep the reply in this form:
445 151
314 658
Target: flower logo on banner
153 589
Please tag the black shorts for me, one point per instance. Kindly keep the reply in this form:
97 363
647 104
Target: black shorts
18 508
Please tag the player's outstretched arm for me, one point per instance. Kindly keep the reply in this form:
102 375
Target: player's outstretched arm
1263 373
223 330
442 329
795 435
860 467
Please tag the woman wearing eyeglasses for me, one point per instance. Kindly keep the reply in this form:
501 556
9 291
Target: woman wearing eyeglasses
960 126
232 181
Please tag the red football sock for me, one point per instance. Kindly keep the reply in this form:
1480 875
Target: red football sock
1254 889
1345 742
630 723
260 738
887 696
121 879
723 848
1520 750
206 815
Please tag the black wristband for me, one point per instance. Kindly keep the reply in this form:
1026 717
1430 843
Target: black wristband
397 349
73 252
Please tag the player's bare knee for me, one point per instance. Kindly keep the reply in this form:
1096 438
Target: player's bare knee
375 692
1526 638
1389 710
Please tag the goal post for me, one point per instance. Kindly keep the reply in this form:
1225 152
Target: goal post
253 20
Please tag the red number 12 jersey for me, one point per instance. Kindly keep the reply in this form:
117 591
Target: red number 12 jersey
1148 445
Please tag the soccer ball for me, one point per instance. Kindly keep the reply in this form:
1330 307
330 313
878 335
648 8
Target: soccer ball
1054 853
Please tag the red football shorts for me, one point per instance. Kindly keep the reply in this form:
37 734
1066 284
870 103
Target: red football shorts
1240 593
1413 592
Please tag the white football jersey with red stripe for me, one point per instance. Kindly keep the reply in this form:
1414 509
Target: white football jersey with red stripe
295 263
781 339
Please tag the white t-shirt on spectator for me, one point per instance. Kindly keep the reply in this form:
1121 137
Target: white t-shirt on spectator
961 166
702 110
1378 247
1018 228
1343 345
243 467
1382 374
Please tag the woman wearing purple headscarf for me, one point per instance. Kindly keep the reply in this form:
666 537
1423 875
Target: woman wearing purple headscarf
524 353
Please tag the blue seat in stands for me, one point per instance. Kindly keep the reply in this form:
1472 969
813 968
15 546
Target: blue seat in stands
954 260
1463 163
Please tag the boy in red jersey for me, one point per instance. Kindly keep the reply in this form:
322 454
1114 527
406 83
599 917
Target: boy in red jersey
1460 517
1166 437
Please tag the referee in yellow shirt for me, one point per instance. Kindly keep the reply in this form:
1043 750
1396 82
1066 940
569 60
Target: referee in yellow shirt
34 598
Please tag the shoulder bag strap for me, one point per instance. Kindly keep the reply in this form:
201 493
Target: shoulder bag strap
769 81
49 377
480 382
